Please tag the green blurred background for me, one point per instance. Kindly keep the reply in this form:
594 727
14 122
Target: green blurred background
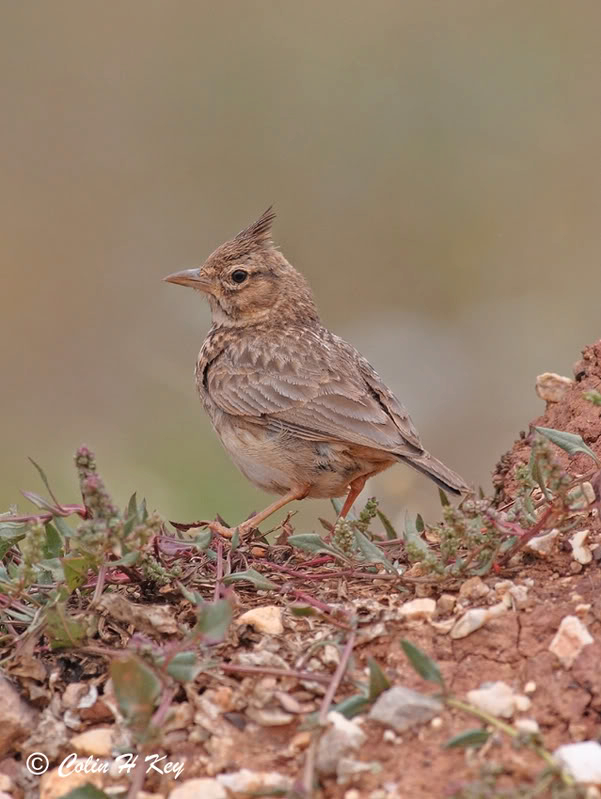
436 171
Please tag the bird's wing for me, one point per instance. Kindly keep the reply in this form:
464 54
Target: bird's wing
313 385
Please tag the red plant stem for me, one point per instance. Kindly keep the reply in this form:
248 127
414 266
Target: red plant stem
319 561
65 510
337 678
219 576
528 535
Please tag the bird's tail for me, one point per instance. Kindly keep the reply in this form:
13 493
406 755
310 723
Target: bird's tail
444 477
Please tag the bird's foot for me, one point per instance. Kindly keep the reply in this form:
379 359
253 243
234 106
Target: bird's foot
228 532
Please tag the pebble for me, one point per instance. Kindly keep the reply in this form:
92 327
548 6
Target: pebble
496 698
98 742
582 760
445 604
474 588
401 708
529 726
530 687
552 387
580 552
569 640
266 619
193 789
244 782
418 608
476 617
54 785
342 736
543 545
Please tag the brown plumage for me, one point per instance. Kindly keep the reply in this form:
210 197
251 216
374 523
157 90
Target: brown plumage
300 411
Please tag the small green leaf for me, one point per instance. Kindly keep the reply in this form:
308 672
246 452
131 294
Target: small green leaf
235 542
63 528
132 506
371 552
76 571
54 566
569 442
338 504
127 560
252 576
214 618
386 524
87 791
593 396
422 664
352 706
300 610
202 540
137 689
63 630
54 543
311 542
416 547
444 500
537 475
378 681
419 523
184 666
472 739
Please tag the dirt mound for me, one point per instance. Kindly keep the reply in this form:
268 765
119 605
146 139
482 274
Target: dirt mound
573 413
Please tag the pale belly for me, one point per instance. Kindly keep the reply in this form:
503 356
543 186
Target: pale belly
279 463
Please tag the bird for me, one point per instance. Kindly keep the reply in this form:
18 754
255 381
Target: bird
299 410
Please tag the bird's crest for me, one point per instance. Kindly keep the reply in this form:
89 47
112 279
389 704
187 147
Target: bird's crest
259 233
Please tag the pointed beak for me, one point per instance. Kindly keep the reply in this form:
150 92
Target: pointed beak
191 278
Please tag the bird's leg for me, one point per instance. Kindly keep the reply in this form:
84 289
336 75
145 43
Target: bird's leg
355 488
255 521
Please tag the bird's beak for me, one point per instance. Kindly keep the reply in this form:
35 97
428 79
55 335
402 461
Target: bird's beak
191 278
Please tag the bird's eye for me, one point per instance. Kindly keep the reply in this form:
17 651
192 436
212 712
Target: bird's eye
239 276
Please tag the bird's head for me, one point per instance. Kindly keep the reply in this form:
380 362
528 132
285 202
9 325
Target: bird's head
247 280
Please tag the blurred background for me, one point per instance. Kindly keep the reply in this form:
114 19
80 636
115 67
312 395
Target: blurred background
437 176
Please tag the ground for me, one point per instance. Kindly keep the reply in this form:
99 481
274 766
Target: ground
228 718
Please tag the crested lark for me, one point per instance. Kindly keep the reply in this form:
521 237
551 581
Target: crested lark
300 411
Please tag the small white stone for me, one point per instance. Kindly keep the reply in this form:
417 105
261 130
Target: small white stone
192 789
389 736
339 738
418 608
473 588
522 703
445 603
436 723
529 726
97 742
552 387
476 617
583 608
496 699
352 794
54 785
530 687
569 640
266 619
244 782
582 760
580 552
543 545
519 594
589 493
